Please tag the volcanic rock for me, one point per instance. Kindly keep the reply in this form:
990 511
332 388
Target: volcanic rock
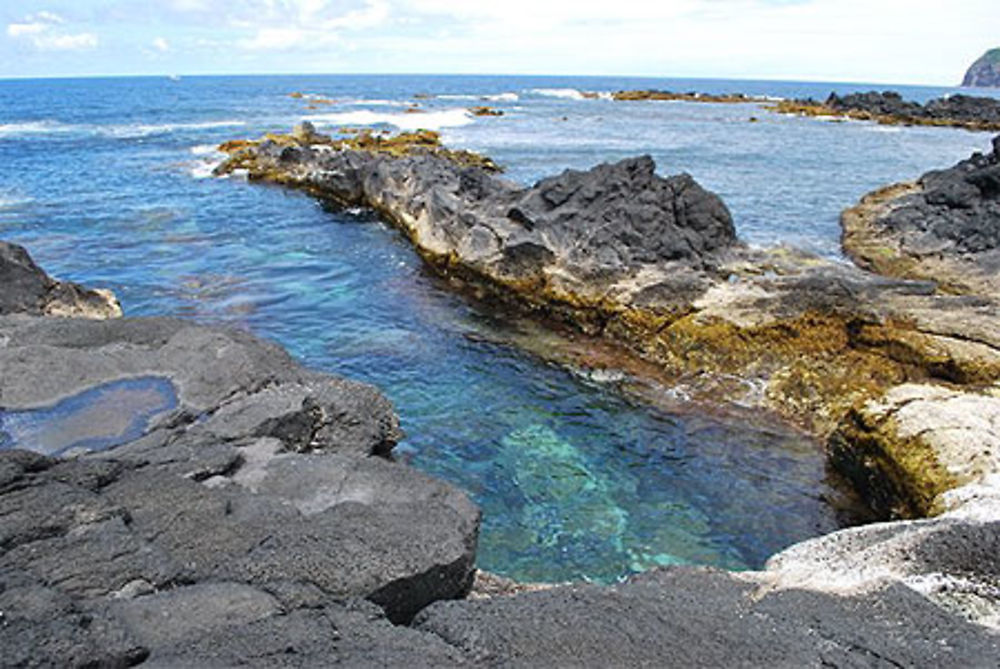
944 227
28 289
236 526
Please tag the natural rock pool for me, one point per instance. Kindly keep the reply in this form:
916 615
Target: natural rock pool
97 419
577 476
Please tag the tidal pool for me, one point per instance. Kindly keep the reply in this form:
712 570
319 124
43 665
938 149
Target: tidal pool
96 419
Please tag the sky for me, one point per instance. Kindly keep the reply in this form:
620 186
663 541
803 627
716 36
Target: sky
867 41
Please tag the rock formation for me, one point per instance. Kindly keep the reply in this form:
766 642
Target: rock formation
253 518
944 227
985 72
889 108
255 523
28 289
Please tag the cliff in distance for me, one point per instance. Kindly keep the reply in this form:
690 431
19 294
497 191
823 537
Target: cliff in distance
985 72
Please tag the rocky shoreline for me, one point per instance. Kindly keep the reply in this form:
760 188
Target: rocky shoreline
257 520
889 108
813 339
945 226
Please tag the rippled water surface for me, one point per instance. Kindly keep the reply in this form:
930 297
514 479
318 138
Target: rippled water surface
106 182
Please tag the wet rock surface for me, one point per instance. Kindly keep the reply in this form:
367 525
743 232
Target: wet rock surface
28 289
944 227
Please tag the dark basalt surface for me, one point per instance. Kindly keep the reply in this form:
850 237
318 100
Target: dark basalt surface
26 288
958 107
946 227
255 522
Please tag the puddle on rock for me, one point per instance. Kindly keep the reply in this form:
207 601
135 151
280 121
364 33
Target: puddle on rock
95 419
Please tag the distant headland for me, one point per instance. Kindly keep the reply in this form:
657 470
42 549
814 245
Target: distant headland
985 72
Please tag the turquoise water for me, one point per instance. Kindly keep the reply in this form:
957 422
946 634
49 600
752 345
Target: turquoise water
106 182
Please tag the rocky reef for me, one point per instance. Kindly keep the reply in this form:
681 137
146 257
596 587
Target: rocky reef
729 98
889 108
944 227
985 72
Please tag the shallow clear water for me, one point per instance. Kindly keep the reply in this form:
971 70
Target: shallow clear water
105 182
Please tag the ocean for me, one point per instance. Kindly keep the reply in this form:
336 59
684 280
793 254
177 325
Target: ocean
108 182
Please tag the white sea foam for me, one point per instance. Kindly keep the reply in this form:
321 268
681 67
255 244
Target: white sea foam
132 130
145 130
448 118
44 127
563 93
205 150
499 97
379 103
203 169
884 128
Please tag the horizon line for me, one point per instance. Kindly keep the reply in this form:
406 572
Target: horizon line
182 75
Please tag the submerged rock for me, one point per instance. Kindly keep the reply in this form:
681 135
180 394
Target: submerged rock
985 72
28 289
944 227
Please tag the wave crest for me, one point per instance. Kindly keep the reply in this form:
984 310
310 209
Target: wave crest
448 118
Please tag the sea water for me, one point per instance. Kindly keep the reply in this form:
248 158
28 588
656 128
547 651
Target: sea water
108 182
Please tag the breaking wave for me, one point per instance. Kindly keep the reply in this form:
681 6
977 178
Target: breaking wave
449 118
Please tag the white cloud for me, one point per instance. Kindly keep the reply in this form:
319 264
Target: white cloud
161 44
306 25
41 30
78 42
276 39
24 29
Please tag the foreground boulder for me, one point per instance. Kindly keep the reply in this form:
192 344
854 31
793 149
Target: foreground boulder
944 227
28 289
249 517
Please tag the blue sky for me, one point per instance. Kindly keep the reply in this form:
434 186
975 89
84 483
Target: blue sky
878 41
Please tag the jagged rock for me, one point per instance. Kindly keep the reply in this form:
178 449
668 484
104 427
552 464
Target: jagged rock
653 263
944 227
985 72
889 108
28 289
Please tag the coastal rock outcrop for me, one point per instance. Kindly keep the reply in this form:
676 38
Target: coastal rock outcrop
889 108
944 227
214 503
28 289
652 263
985 72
